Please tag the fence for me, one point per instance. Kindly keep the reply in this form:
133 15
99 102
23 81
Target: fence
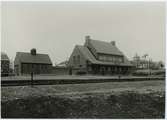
67 79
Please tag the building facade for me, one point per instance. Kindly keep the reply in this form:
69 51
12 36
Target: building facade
4 64
98 57
27 63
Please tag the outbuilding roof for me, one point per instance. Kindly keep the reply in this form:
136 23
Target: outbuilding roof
62 64
4 56
29 58
105 47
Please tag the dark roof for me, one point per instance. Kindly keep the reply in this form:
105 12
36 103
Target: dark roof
4 56
38 58
105 47
88 55
63 64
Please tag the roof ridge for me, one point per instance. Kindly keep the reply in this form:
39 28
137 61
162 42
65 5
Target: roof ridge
38 58
100 41
30 53
79 45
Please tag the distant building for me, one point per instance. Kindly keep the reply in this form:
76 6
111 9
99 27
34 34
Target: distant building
98 57
142 63
25 63
62 64
4 64
61 68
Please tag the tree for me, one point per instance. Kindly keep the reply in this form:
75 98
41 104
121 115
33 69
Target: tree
161 64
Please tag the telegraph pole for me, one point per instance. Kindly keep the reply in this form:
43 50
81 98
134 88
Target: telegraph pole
31 79
32 75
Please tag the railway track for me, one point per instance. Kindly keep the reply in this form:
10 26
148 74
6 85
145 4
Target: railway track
73 81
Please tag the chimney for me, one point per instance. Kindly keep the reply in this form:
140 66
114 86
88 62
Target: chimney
33 51
87 39
113 43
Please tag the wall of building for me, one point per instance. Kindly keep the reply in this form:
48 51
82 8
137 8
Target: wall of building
60 70
77 63
28 68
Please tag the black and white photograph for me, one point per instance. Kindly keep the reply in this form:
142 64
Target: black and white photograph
83 59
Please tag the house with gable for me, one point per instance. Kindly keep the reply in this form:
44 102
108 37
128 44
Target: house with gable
99 57
28 62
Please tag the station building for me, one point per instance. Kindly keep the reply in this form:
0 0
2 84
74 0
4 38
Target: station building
99 57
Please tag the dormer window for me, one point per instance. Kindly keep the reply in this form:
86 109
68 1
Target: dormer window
110 58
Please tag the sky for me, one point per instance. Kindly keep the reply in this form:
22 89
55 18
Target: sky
55 28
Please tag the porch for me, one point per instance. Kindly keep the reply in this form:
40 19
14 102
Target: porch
108 69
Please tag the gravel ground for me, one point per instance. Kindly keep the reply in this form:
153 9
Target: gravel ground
67 77
16 92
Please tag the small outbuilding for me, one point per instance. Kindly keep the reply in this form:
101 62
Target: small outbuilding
26 63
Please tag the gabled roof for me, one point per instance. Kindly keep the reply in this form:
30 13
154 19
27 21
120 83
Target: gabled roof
4 56
105 47
38 58
63 64
88 55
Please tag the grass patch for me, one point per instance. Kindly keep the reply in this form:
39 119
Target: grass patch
125 104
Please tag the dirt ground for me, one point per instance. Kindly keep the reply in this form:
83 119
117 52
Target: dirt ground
16 92
139 99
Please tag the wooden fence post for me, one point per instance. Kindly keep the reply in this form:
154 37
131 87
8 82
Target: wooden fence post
31 79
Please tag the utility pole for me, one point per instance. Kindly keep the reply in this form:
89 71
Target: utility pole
149 66
31 79
32 75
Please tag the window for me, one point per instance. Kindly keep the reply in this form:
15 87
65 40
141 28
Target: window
78 59
102 57
74 59
89 68
105 58
29 68
113 59
110 58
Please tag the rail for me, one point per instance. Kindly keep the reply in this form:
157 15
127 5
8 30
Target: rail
23 82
